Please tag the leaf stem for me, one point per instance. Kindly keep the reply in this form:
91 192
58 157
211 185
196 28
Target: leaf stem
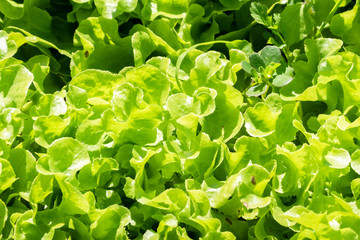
327 19
276 32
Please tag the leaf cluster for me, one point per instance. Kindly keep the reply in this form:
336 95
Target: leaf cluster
158 119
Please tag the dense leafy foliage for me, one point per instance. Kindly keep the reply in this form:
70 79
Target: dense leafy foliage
159 119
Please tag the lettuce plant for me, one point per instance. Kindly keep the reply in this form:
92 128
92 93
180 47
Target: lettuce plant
158 119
